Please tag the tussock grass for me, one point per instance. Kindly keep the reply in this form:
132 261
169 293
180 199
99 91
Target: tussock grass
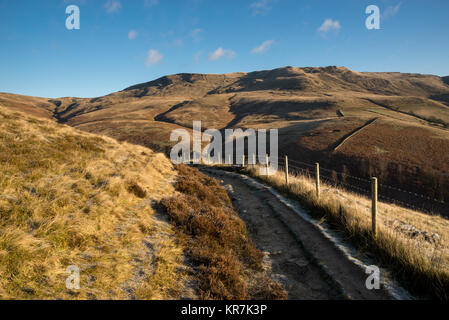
225 259
419 261
72 198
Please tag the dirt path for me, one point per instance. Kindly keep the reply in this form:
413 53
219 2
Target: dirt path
301 258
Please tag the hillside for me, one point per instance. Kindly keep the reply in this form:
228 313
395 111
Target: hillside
322 115
70 198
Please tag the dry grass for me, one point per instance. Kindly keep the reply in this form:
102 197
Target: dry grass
225 259
72 198
414 245
305 104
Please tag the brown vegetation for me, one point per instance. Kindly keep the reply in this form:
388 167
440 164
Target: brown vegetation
216 240
73 198
415 246
313 108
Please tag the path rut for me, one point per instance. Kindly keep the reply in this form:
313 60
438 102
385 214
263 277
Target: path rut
306 263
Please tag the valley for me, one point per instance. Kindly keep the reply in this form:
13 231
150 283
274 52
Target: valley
391 125
356 125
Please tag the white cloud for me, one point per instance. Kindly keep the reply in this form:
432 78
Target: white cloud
151 3
329 25
263 47
261 7
112 6
221 53
154 57
390 11
132 34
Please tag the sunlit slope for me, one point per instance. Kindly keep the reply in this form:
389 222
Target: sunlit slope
72 198
40 107
323 114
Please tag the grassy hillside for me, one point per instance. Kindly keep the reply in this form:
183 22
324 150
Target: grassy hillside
226 262
72 198
69 198
415 246
39 107
315 110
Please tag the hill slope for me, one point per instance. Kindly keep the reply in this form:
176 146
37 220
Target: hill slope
133 225
72 198
315 110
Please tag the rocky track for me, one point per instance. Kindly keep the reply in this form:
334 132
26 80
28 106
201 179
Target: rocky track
301 258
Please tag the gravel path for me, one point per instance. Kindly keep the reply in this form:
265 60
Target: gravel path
306 263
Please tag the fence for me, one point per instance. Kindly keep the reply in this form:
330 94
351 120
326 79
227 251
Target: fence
321 174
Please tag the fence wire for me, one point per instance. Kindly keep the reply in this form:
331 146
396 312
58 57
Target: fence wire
331 177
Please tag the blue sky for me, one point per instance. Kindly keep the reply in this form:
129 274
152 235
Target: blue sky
121 43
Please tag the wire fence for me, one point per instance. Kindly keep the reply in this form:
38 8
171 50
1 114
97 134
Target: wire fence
344 174
363 186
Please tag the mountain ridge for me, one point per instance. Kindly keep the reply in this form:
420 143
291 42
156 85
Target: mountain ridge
370 80
312 107
346 74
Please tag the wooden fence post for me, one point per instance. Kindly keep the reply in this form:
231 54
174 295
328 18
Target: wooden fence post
243 161
229 158
374 206
286 170
266 161
317 178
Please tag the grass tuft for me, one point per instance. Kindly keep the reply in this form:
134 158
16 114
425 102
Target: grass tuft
217 240
72 198
420 262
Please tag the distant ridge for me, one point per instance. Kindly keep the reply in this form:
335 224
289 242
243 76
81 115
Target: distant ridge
312 107
331 78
